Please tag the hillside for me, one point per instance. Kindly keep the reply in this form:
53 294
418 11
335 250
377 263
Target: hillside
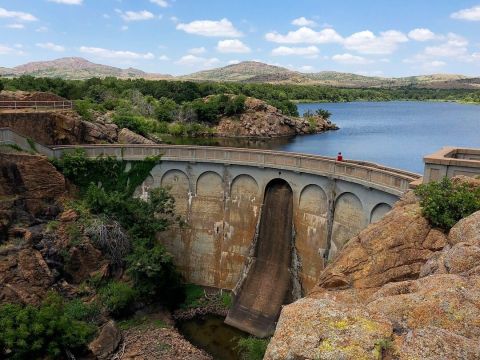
250 71
76 68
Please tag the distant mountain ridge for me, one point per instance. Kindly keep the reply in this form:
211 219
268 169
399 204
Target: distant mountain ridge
76 68
248 71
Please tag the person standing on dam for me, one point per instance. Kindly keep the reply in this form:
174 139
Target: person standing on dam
339 157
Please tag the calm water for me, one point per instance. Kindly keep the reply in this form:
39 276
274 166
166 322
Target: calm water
396 134
213 335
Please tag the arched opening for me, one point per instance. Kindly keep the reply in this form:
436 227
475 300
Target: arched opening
268 281
379 212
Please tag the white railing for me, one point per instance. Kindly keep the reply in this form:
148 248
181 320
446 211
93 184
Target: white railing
36 105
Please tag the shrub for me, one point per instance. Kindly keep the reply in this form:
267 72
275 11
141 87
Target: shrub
252 348
30 332
444 203
193 296
84 109
117 297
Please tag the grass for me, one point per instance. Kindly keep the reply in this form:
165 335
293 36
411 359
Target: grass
142 322
252 348
194 295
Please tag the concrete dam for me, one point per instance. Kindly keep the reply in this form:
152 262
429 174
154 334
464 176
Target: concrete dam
260 223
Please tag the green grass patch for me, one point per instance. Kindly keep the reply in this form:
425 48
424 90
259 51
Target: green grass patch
252 348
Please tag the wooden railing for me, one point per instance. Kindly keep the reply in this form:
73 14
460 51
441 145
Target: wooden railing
36 105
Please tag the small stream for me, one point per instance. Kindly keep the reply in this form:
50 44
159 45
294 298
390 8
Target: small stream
211 334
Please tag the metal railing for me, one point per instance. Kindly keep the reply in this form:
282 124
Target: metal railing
36 105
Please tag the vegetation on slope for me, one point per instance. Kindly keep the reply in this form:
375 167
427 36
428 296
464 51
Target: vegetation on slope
444 203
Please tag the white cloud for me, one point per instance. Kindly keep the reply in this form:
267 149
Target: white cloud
163 58
68 2
174 19
306 68
301 51
302 21
15 26
50 46
161 3
7 50
135 15
305 35
197 51
115 54
471 14
42 29
233 62
221 28
455 46
350 59
232 46
421 34
17 15
366 42
197 61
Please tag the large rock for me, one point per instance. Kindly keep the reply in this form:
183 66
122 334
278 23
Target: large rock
393 249
107 341
434 313
24 276
262 120
29 188
327 329
463 254
126 136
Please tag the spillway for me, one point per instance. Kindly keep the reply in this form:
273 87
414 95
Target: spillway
267 284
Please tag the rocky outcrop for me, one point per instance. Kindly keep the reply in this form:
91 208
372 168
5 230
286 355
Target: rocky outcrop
392 250
24 275
29 188
126 136
106 342
262 120
417 285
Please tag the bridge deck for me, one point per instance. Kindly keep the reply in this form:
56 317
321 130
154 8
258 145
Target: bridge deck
390 180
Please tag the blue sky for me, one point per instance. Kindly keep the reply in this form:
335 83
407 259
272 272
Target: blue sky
370 37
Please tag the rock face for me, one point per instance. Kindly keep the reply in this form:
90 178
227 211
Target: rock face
126 136
29 189
107 341
419 287
29 186
392 250
262 120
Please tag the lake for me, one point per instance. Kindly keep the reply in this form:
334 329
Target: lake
396 133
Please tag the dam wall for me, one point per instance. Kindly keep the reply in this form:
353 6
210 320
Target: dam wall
219 193
221 205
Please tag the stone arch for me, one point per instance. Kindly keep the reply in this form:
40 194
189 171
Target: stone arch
244 186
311 233
243 209
348 220
379 211
176 181
209 184
313 199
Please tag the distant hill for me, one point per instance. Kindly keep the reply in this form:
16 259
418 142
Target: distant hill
250 71
76 68
247 71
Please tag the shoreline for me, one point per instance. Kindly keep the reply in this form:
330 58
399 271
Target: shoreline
308 101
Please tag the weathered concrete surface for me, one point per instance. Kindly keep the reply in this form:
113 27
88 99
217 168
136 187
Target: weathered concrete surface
221 206
265 289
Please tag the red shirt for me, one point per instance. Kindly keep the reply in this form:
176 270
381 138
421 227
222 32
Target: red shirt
339 157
